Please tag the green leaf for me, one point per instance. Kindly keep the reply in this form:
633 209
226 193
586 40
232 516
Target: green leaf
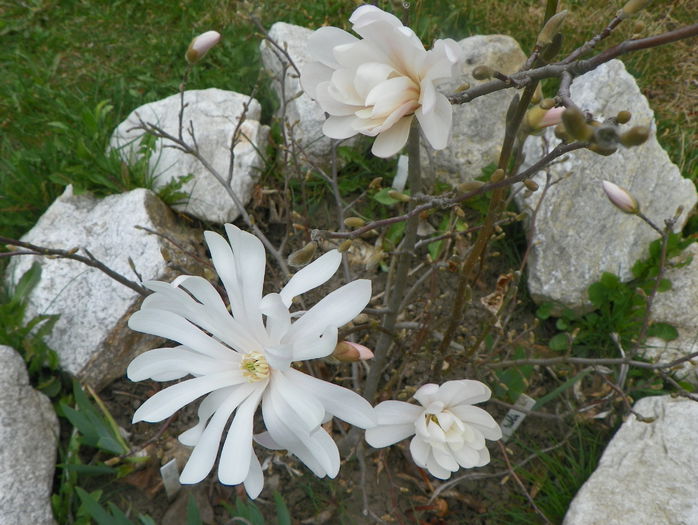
193 517
283 516
559 342
26 284
664 285
94 509
544 311
383 197
664 331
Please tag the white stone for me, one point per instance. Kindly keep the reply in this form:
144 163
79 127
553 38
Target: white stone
214 114
91 336
28 439
579 234
478 126
301 116
648 474
678 307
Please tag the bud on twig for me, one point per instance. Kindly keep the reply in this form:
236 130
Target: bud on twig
632 7
469 185
635 136
620 198
497 175
200 45
531 185
303 256
482 72
551 27
348 352
623 117
354 222
576 124
344 246
398 196
551 50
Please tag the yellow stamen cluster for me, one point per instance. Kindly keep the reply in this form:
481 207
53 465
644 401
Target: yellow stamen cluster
254 367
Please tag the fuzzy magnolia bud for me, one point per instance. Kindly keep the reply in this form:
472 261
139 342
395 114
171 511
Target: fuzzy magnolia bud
530 185
551 50
576 124
200 45
632 7
635 136
497 175
354 222
348 352
561 133
470 185
303 256
623 117
620 198
551 27
482 72
344 246
398 196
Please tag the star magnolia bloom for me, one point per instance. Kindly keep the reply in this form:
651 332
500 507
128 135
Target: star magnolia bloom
377 85
241 360
449 432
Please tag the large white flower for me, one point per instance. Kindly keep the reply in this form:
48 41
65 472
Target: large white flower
376 85
449 432
243 359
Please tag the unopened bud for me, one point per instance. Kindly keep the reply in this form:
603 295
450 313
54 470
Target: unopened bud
623 117
303 256
530 185
497 175
354 222
601 150
606 136
620 198
537 94
375 184
344 246
561 133
463 87
470 185
482 72
348 352
551 50
398 196
459 211
200 45
632 7
635 136
576 124
551 27
639 26
547 103
544 118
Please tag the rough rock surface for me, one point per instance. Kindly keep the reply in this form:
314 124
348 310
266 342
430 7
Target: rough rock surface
678 307
28 439
478 126
578 233
214 114
648 474
303 117
91 336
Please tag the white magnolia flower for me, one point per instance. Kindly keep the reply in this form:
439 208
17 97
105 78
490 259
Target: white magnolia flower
449 432
243 359
377 85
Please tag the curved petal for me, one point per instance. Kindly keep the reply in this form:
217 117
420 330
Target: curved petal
166 402
464 392
313 74
435 469
427 394
204 454
206 409
391 141
478 419
338 401
397 413
445 459
179 360
334 105
278 318
420 451
385 435
436 124
336 309
340 127
174 327
302 410
324 40
316 273
254 482
467 457
315 348
370 74
234 465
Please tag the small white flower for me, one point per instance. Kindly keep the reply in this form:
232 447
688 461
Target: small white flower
449 432
200 45
243 359
377 85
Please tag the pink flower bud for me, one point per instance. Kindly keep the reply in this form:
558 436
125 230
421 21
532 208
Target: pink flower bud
200 45
620 198
349 352
552 117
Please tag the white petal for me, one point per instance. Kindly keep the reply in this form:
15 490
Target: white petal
324 40
397 413
478 419
265 439
206 409
234 464
467 457
166 402
352 56
316 347
336 309
179 360
389 142
484 458
435 469
316 273
340 127
464 392
445 459
420 451
313 74
278 317
224 262
204 454
338 401
302 410
333 104
369 75
390 94
385 435
174 327
254 482
426 394
436 124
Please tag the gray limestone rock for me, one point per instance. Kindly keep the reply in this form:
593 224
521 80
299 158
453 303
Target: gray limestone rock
214 115
28 439
578 233
648 474
478 126
91 336
678 307
303 117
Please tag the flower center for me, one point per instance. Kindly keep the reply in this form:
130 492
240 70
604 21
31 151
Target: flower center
254 367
